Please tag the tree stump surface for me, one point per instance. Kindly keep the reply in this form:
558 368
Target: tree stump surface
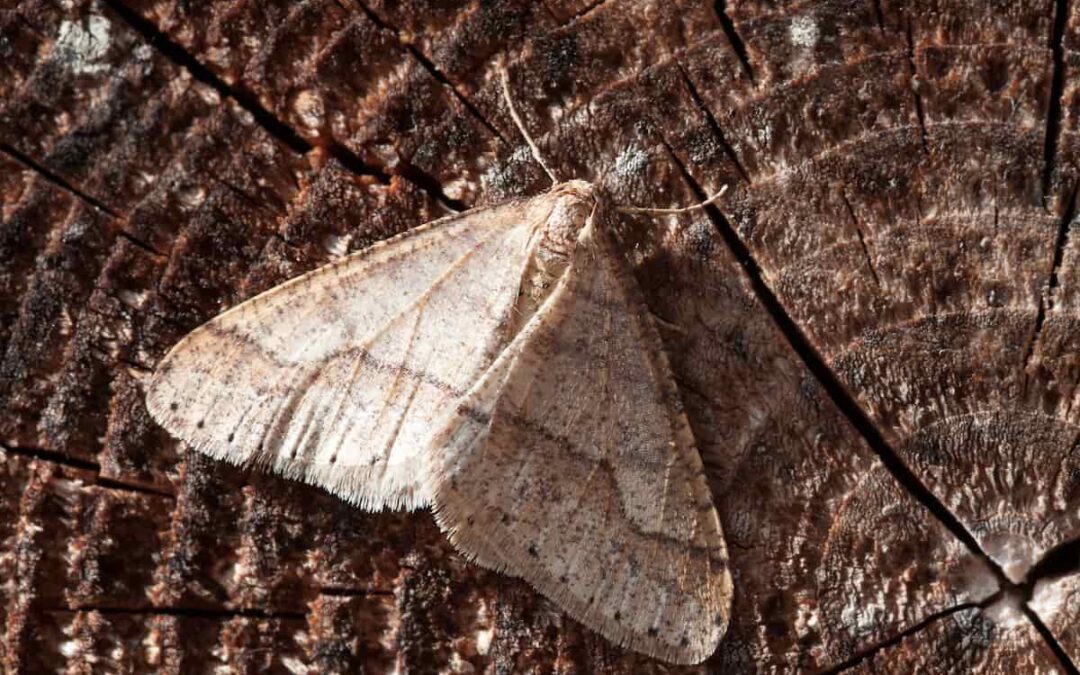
875 332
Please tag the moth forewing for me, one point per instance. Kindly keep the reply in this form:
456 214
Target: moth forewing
339 377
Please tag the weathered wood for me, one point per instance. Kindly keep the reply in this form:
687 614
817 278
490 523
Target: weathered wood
874 334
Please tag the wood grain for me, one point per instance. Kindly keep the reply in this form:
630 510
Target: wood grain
874 337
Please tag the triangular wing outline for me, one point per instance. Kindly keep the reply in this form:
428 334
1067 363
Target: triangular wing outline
526 478
291 379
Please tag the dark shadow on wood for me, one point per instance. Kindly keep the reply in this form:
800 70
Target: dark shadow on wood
737 44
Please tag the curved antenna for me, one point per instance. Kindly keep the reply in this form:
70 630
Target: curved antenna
665 212
521 126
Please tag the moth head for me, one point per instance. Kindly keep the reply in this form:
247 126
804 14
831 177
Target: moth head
574 205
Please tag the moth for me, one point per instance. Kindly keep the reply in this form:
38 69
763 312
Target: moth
501 367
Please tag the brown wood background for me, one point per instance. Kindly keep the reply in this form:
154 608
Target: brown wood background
874 332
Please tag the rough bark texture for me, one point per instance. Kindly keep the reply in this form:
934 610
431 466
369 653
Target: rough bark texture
875 333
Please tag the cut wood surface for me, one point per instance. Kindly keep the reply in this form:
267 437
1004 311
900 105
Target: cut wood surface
874 332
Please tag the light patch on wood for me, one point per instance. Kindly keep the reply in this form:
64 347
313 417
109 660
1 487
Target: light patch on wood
500 366
483 640
631 163
191 198
1051 597
309 108
804 32
337 245
1014 553
295 665
82 45
1007 611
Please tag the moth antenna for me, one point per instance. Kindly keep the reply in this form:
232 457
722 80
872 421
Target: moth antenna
664 212
505 79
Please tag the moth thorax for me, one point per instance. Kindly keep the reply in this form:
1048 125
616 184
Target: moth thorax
568 217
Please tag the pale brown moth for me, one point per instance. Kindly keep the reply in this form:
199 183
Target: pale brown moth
500 366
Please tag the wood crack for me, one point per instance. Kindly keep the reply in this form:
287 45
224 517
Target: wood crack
67 461
713 123
919 114
56 180
862 239
1051 641
140 244
272 124
430 185
51 456
1001 596
182 58
1046 301
1057 86
1060 561
737 44
870 652
433 70
879 15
